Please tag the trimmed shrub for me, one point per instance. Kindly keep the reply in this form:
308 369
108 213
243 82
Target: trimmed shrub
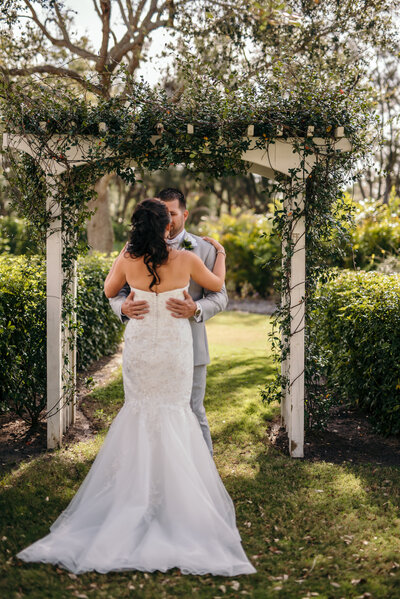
357 330
23 328
22 336
100 331
253 255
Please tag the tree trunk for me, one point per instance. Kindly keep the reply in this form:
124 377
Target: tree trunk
99 228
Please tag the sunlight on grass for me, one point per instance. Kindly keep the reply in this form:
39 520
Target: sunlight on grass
311 529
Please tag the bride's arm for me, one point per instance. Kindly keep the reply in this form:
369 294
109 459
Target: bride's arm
116 278
214 280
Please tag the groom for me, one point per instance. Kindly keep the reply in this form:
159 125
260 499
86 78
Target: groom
199 304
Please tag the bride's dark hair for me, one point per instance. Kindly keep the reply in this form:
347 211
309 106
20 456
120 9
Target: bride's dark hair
147 237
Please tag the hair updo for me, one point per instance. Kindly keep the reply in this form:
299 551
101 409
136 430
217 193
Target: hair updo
147 238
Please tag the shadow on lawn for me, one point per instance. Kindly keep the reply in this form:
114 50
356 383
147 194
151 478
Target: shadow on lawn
295 515
235 375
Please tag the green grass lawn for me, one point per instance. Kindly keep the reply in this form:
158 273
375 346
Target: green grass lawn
311 529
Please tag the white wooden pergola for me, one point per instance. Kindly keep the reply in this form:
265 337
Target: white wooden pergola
282 156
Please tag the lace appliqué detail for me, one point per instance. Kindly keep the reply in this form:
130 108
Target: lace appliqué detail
156 376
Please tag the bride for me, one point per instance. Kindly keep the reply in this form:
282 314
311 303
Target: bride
153 499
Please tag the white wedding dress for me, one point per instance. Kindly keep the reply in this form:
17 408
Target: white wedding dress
153 499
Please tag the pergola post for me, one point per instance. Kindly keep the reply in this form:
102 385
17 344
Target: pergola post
285 363
72 349
54 277
297 349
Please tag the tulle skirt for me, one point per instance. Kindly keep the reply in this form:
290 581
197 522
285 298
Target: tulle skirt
152 500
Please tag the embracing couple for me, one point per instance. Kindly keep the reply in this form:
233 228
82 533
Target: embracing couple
153 499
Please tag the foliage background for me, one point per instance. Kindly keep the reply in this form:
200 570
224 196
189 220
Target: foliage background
253 252
305 67
373 239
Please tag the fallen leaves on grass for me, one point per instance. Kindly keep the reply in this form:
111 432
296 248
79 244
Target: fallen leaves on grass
357 580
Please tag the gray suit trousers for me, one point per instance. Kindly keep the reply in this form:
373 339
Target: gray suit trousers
197 402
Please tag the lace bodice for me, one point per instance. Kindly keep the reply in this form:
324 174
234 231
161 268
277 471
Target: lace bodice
158 355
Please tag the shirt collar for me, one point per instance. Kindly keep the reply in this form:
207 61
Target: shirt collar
178 239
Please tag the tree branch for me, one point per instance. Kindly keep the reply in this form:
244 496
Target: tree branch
138 45
105 7
125 45
113 36
96 8
139 10
61 43
58 71
123 15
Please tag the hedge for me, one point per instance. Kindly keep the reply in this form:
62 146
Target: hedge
357 329
23 328
22 336
100 330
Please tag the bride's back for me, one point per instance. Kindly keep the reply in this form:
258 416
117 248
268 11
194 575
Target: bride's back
175 273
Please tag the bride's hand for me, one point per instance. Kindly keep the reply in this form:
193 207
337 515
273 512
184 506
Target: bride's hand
122 253
215 243
124 249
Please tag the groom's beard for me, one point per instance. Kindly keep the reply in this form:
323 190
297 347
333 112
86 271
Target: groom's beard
174 233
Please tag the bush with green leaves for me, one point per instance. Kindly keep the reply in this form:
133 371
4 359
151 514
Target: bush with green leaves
356 325
253 253
22 336
23 328
99 330
376 235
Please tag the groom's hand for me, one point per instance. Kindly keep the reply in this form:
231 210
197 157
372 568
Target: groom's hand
182 308
134 309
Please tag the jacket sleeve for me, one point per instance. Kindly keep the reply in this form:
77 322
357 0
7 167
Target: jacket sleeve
117 301
213 301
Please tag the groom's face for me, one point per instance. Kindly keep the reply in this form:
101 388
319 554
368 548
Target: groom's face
178 217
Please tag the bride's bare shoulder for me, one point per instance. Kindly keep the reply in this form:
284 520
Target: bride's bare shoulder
190 258
130 257
181 255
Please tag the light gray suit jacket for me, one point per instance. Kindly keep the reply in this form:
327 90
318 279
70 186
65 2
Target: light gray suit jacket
211 302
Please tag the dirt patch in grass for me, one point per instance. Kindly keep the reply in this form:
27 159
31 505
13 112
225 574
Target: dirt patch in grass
349 438
19 442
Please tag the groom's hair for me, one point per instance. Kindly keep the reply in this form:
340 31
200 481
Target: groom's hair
170 194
